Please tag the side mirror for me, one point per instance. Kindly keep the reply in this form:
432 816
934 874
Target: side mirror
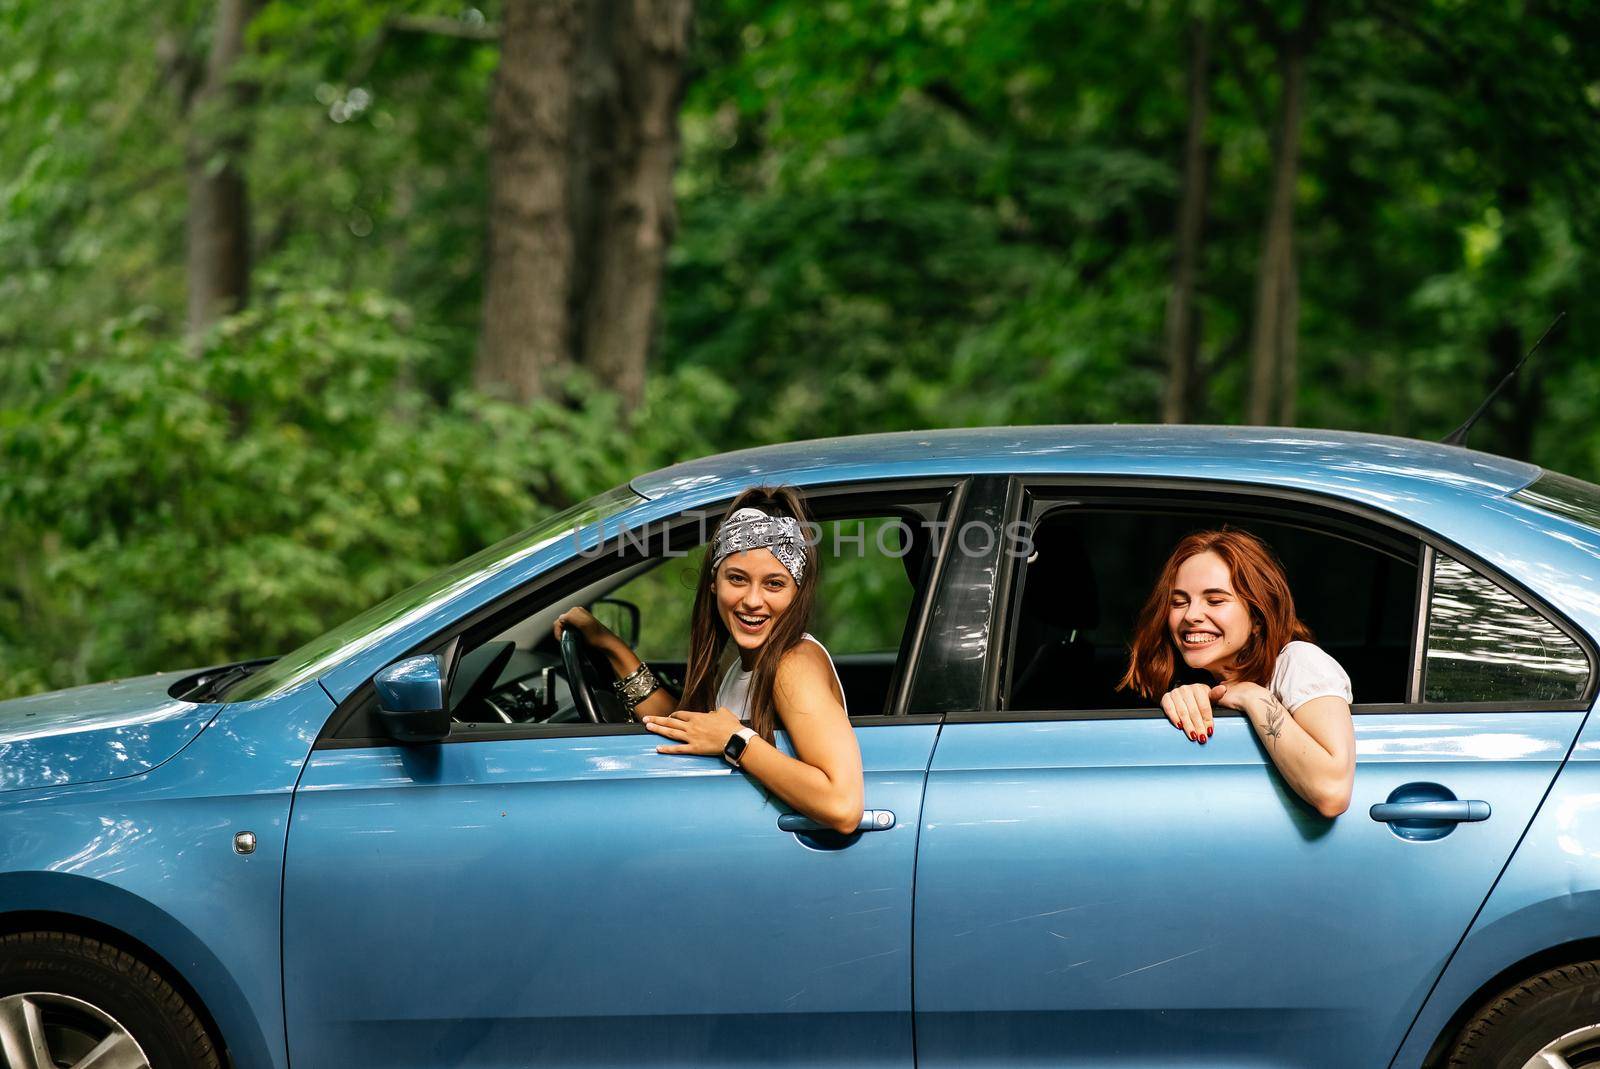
411 705
622 618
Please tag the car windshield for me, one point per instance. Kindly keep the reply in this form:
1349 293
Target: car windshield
322 652
1564 496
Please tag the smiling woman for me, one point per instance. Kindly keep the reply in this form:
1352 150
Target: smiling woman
757 586
1223 607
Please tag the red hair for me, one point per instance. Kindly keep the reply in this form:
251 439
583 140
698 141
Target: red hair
1260 584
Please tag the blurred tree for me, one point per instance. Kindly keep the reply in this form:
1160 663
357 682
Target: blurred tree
219 209
630 134
1181 338
584 142
529 287
1275 335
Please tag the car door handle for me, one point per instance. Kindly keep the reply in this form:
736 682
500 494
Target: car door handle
871 820
1456 812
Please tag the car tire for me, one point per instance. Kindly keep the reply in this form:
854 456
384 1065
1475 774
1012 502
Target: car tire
1556 1011
69 992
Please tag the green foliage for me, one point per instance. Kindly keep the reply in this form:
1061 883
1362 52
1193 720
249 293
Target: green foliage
167 507
964 213
368 165
962 228
91 180
906 268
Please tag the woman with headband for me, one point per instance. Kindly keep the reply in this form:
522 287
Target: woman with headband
757 584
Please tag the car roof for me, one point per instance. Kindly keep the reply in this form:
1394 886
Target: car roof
1181 451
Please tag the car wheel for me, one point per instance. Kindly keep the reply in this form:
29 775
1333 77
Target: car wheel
69 1001
1547 1022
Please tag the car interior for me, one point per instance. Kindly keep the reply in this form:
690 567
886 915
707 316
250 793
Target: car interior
1094 565
872 567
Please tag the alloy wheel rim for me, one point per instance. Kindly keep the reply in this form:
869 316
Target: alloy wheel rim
1579 1047
45 1030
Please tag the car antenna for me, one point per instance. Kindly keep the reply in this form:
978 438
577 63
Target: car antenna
1459 435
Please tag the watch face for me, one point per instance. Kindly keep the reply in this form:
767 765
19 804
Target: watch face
735 748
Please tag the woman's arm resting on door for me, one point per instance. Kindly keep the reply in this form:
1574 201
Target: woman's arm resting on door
1314 747
824 781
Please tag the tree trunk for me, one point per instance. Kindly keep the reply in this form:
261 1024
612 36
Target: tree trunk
1182 339
218 209
527 316
1289 342
582 207
634 216
1277 301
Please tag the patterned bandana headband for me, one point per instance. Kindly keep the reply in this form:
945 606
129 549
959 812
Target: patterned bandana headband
750 528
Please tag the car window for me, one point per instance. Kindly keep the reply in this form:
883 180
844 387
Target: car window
1093 567
866 593
664 595
861 607
1486 645
871 568
863 604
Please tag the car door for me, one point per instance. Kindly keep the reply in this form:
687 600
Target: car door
563 895
1094 889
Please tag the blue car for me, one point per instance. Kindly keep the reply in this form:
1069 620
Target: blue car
430 838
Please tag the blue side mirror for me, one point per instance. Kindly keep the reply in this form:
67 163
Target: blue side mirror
411 704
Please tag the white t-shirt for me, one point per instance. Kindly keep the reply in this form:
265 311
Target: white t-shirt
1304 672
734 691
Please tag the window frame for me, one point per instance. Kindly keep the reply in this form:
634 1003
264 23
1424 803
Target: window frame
1033 495
350 724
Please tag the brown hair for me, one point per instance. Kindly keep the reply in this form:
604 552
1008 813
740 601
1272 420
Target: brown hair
708 635
1260 584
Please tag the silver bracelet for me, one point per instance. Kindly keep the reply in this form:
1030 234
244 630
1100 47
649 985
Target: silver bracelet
636 686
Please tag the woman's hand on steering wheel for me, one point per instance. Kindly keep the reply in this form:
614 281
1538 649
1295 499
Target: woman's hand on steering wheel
578 634
595 633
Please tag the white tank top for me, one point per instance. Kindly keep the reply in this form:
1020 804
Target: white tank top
733 692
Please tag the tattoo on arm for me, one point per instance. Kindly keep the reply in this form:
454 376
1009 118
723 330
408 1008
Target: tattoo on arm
1272 722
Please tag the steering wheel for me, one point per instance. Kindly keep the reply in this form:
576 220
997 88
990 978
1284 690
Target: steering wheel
579 669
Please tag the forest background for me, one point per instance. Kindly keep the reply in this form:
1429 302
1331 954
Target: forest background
302 299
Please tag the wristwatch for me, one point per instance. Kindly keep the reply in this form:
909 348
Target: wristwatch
733 753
